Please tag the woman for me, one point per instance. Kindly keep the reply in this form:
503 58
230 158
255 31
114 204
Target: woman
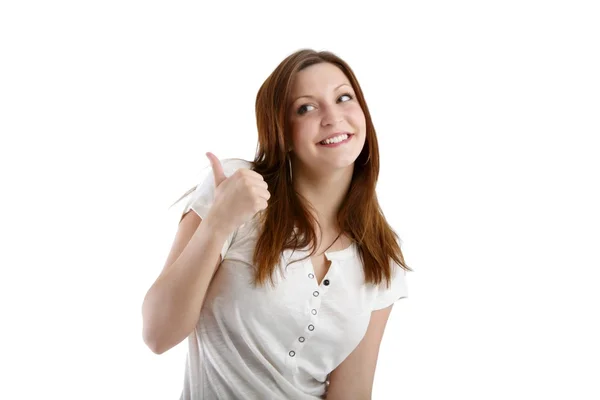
284 276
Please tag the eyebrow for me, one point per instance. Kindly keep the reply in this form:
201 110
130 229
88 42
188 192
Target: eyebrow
311 97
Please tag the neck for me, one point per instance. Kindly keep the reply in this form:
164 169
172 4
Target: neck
325 191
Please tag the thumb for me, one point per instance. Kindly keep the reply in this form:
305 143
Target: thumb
217 168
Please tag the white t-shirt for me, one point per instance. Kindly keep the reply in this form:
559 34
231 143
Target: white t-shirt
276 342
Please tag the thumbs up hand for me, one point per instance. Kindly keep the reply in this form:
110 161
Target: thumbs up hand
238 197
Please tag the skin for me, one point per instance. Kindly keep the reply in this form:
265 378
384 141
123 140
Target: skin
323 102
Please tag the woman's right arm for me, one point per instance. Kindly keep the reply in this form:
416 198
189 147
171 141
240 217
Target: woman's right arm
172 305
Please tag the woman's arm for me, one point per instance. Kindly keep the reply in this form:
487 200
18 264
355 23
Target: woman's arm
353 378
172 305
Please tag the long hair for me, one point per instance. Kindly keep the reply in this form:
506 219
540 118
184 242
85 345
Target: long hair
287 223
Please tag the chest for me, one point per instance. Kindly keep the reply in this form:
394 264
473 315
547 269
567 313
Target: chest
320 266
306 323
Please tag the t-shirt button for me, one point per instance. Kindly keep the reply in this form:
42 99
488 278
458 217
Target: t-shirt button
311 327
292 353
315 293
314 312
301 339
326 282
311 276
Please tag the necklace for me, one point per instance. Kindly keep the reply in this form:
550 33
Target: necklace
338 236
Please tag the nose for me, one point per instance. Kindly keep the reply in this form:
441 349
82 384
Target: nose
331 115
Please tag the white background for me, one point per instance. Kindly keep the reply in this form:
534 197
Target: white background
487 115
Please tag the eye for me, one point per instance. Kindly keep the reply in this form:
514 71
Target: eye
348 95
303 109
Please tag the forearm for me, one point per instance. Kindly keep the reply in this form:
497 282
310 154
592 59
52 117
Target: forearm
172 305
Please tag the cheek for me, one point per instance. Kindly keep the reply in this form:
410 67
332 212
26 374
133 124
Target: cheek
301 131
358 118
297 133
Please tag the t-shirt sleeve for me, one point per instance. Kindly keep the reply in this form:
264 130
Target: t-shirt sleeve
200 199
397 290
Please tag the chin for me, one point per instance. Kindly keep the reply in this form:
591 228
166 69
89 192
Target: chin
341 162
335 159
346 163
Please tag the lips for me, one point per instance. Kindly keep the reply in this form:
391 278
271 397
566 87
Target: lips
334 135
337 143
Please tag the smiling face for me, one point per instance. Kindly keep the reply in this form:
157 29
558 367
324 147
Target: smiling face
323 105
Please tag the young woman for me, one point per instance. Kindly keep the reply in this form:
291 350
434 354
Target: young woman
283 277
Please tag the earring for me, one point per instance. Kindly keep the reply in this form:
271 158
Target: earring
290 166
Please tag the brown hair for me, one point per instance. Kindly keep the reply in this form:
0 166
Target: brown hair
287 223
360 216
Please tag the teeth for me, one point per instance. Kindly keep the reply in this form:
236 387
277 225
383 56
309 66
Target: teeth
336 139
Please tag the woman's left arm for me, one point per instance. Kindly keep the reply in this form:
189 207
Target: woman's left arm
353 378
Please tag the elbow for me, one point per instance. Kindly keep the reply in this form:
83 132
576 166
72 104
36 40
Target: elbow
153 342
152 336
161 335
158 342
156 349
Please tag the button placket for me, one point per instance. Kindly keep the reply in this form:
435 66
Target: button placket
313 308
329 276
314 303
318 293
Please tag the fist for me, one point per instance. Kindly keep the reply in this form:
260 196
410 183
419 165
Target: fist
238 197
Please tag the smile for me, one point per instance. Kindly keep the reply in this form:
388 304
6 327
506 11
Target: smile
336 141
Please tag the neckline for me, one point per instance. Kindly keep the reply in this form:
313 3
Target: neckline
331 255
340 254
